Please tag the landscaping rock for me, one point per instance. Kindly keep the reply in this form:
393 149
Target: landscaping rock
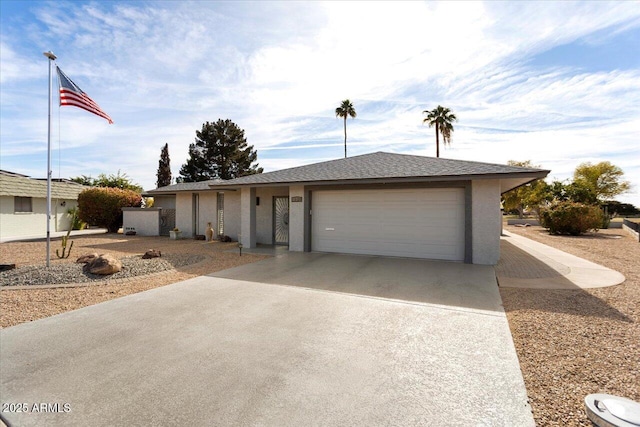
87 258
152 253
105 264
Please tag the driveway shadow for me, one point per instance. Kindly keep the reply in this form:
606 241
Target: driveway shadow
410 280
574 302
550 291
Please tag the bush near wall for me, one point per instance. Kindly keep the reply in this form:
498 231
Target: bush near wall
102 206
571 218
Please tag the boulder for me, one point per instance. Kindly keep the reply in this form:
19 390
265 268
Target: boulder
87 258
105 264
152 253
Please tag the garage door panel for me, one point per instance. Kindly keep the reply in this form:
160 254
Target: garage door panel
421 223
367 247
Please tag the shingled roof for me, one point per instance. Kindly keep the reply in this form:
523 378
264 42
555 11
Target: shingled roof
386 167
183 186
12 184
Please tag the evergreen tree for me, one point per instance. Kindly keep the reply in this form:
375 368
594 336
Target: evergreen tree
164 168
220 151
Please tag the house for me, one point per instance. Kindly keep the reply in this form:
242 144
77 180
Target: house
23 205
377 204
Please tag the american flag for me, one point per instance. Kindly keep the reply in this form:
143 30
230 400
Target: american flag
71 94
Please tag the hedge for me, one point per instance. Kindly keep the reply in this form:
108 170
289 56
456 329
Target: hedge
102 206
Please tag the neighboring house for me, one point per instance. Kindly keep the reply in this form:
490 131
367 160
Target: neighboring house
23 205
377 204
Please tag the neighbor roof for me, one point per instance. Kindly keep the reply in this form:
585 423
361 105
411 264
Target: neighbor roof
183 186
13 184
388 167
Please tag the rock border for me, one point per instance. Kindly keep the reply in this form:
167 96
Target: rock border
107 281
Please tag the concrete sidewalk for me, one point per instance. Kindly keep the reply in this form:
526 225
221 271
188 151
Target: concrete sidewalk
525 263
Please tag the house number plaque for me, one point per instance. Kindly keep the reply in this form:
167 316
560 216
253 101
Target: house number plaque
296 199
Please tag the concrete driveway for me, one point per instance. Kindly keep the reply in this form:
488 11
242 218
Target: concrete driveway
298 339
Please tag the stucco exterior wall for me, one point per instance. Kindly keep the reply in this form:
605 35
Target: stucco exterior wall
232 214
184 213
486 221
208 206
146 222
166 202
33 224
296 219
248 217
264 213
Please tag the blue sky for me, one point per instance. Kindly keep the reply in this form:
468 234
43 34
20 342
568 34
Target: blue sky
557 83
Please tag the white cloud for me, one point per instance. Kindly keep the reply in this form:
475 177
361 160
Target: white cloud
279 70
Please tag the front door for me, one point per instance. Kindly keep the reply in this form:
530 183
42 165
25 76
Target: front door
281 220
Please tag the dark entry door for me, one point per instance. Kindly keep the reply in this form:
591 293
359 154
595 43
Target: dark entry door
281 220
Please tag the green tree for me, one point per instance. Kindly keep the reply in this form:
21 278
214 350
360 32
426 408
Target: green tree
345 110
220 151
604 179
528 196
83 179
120 180
442 118
164 168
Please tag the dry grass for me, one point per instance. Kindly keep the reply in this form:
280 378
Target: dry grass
18 306
572 343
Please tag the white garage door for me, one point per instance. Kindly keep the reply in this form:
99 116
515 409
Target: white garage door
416 223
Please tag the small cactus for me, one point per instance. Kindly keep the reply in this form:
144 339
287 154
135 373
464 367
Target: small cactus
65 254
65 240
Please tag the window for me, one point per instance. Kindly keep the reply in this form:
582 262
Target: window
220 214
22 204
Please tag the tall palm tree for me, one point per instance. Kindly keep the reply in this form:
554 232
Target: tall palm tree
441 117
345 110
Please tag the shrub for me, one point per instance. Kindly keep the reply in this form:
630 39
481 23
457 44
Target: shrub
571 218
102 206
76 222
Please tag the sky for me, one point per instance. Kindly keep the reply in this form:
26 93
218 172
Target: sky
556 83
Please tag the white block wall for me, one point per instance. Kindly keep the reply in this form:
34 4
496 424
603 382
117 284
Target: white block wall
146 222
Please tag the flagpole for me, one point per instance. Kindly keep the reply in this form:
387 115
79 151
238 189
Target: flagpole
52 58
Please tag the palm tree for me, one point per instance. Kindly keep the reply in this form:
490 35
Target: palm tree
345 110
441 117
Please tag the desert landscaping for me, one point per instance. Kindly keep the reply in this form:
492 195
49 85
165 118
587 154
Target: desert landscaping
25 305
570 343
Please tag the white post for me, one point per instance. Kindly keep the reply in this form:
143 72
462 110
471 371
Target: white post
52 58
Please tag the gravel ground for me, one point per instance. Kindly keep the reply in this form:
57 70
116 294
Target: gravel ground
572 343
77 273
24 305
